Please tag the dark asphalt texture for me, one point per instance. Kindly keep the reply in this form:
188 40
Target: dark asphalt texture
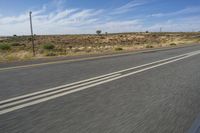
160 100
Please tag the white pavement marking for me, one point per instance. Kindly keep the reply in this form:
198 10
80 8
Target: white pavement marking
82 81
56 92
68 61
87 58
52 89
101 81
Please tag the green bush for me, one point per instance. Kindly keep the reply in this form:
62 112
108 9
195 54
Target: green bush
173 44
149 46
118 49
5 47
49 46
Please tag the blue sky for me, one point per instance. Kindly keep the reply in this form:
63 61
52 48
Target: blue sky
87 16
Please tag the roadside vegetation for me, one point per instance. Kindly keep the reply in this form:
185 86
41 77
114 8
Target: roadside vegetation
4 47
20 48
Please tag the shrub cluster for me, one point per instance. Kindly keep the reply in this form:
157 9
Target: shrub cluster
5 47
49 46
118 49
149 46
173 44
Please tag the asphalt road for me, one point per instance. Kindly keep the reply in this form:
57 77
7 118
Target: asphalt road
147 92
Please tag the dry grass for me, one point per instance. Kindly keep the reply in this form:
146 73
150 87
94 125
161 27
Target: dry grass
70 45
15 56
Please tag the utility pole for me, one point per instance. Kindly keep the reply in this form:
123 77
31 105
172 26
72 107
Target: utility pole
160 29
32 36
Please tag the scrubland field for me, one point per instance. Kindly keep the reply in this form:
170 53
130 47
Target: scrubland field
18 48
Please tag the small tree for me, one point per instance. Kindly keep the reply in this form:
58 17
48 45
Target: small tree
98 32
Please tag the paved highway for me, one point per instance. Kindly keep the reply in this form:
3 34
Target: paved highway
146 92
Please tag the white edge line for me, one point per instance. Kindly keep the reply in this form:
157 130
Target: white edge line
75 60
